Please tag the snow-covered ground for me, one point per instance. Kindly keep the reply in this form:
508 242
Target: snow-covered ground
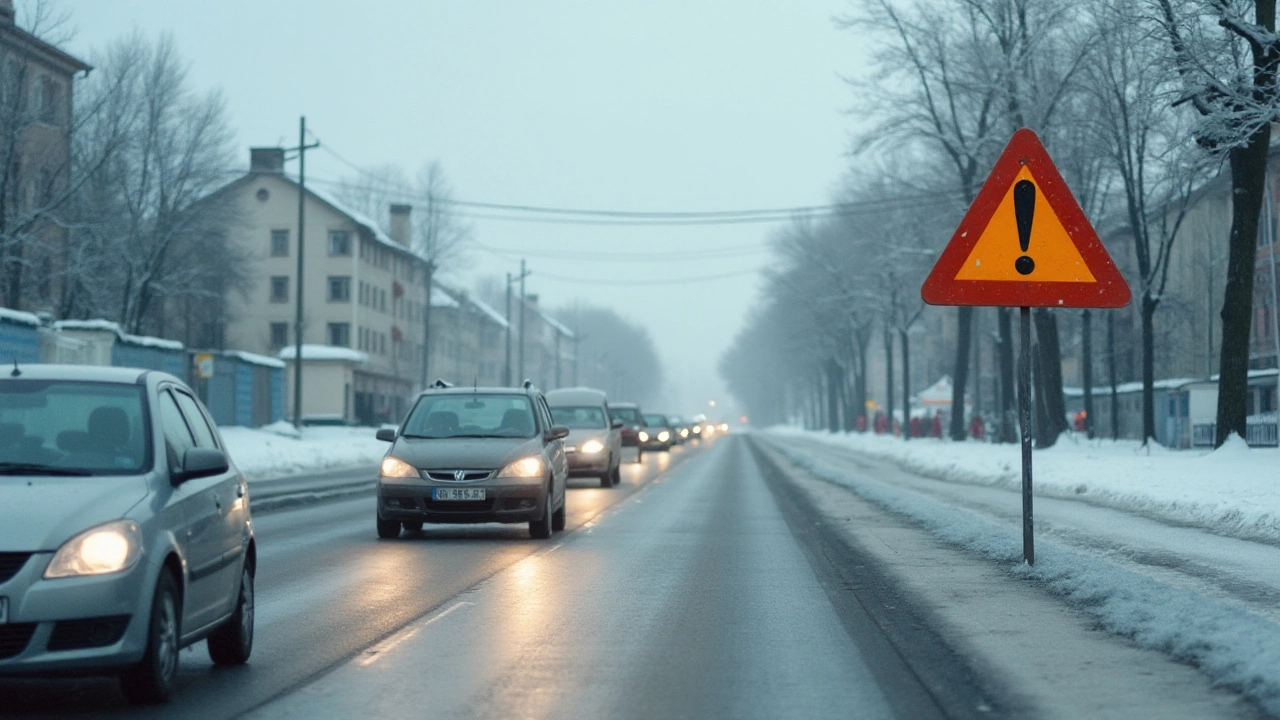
1234 490
278 450
1212 614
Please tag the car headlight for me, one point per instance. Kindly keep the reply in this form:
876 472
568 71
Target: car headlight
591 447
644 436
394 467
109 548
664 436
684 432
697 430
530 467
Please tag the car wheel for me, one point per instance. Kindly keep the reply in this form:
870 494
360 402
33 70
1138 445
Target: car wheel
639 455
540 529
232 643
606 480
152 680
388 529
558 518
616 474
412 527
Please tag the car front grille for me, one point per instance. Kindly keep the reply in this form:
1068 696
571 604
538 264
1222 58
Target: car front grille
444 506
452 475
14 638
89 633
11 563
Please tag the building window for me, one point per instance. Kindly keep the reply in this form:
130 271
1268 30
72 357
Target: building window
279 243
279 288
339 288
279 334
50 100
340 334
339 242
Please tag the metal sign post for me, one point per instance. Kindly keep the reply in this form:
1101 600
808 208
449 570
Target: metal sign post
1025 243
1024 415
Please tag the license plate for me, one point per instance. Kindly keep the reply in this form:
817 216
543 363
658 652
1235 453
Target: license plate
4 610
457 493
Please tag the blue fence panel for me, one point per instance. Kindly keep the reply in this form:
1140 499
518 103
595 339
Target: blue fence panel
173 362
244 393
277 394
19 342
220 396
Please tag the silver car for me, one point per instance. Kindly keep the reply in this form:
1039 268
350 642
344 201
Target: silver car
474 455
594 445
124 528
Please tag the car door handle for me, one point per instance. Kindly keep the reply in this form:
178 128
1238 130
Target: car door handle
217 501
241 489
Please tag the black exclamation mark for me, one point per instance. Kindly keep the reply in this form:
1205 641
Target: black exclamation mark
1024 208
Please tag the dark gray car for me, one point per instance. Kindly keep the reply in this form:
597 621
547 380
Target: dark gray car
594 445
474 456
124 528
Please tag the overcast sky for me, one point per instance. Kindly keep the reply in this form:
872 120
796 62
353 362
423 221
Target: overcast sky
661 105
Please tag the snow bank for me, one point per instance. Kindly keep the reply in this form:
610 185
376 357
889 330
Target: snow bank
1234 490
276 450
1231 644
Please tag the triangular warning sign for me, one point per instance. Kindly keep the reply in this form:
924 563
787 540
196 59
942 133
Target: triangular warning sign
1025 242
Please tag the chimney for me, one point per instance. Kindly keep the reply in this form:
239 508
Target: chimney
400 223
6 12
263 159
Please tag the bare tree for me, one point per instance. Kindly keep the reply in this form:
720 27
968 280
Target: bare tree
1150 151
149 237
1226 54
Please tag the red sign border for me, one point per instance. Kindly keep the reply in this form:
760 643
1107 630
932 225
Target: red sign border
1025 149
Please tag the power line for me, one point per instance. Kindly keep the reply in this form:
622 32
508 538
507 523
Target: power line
590 216
629 257
647 283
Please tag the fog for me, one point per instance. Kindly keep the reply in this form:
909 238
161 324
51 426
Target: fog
663 106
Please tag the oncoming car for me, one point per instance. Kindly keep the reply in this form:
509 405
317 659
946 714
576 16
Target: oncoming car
594 444
474 455
658 435
124 528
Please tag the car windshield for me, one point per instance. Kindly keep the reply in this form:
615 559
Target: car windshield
579 418
445 416
631 416
656 420
72 428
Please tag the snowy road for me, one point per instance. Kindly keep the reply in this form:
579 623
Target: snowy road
725 581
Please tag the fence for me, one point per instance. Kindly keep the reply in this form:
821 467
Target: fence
244 389
1260 431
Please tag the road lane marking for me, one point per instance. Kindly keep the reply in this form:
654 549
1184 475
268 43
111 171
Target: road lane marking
373 654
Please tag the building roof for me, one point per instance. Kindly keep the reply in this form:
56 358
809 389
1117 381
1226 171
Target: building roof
364 222
18 317
51 53
114 327
325 352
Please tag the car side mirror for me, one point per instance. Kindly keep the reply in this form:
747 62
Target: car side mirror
387 435
616 424
557 432
201 462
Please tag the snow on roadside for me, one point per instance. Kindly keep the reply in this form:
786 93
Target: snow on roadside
1231 644
1234 490
277 449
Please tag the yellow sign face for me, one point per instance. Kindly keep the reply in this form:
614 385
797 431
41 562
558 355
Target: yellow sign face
995 255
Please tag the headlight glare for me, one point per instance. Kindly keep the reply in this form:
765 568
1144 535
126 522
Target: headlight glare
592 447
664 436
394 467
530 467
644 436
109 548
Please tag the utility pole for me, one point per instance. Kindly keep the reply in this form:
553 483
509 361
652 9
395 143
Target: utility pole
506 369
297 318
524 273
558 357
426 324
